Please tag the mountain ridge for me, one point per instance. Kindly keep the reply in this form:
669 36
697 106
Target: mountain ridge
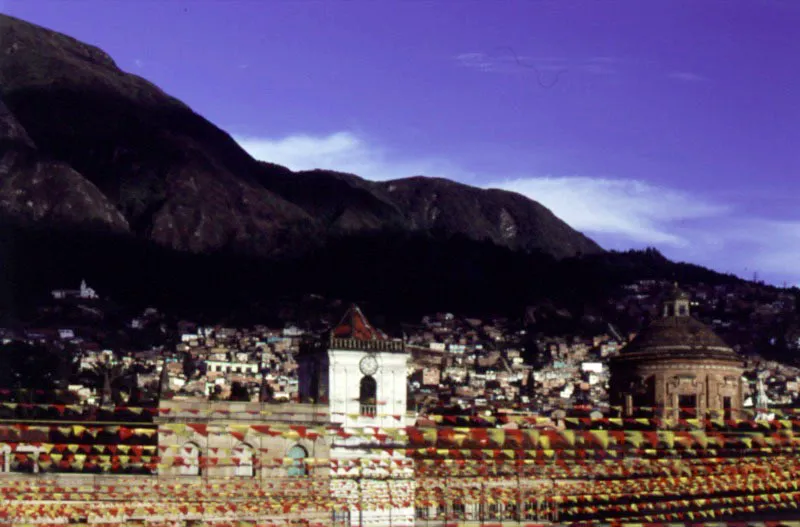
181 181
107 177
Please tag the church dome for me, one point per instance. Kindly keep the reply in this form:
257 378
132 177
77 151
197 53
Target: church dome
677 335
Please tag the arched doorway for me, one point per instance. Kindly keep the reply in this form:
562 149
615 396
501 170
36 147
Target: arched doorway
297 467
244 455
190 457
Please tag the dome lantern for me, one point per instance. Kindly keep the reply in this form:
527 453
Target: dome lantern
677 303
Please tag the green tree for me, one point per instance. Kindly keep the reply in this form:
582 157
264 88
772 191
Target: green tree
112 381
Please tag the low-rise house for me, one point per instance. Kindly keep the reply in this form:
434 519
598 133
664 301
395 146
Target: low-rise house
227 366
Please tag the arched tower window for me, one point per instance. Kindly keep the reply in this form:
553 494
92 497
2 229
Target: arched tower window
367 396
297 467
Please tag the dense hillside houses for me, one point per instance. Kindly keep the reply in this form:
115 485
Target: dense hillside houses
455 360
352 449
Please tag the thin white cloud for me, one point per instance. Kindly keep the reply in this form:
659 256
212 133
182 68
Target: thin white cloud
635 210
772 246
138 63
618 213
478 61
505 59
340 151
686 76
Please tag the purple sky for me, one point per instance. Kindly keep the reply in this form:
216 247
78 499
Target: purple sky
672 124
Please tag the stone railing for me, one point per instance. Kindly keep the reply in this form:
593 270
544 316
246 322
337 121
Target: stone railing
368 410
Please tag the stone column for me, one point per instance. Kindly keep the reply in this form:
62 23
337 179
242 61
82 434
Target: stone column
701 390
661 395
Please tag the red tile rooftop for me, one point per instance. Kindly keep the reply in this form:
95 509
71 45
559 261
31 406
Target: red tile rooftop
354 325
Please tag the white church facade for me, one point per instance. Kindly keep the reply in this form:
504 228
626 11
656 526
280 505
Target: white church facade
84 293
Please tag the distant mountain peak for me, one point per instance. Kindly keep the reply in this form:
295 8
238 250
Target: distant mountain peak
175 178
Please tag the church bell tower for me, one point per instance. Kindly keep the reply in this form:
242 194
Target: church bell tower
359 372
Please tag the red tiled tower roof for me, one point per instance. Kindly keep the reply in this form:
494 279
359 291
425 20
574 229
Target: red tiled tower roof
355 332
354 325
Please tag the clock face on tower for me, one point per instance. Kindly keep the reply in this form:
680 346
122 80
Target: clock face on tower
368 365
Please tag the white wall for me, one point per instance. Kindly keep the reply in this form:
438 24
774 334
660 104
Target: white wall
344 377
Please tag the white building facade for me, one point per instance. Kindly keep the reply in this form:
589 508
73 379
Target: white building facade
362 375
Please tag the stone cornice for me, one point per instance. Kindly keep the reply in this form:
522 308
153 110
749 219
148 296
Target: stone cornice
699 365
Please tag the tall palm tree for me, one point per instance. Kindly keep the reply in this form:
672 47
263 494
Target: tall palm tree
109 377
